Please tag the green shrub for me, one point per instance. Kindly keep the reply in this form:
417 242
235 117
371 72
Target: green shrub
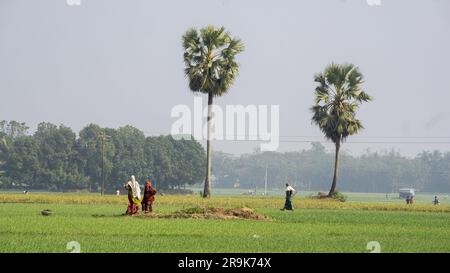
339 196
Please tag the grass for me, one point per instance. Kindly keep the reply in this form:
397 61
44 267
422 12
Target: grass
420 198
222 201
316 226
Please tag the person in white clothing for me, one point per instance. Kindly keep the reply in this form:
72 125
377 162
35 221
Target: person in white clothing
134 195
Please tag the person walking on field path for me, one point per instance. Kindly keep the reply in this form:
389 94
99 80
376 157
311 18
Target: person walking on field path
290 192
134 196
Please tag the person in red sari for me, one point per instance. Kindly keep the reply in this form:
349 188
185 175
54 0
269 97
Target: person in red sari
149 197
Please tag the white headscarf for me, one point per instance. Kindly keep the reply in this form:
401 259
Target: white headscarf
135 188
289 188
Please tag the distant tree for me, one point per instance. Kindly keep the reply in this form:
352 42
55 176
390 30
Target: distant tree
21 162
189 157
337 99
174 163
222 168
3 146
437 174
90 145
57 149
165 165
210 66
129 157
13 129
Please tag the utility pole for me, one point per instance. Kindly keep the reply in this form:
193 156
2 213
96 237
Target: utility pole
103 138
265 182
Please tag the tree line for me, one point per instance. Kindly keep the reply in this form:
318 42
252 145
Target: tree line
312 169
55 158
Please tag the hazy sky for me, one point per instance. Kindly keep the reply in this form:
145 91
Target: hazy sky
118 62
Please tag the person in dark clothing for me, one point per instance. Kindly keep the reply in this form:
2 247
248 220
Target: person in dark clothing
436 201
409 199
290 192
149 197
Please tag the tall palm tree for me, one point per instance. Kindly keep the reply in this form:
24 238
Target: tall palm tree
210 66
337 99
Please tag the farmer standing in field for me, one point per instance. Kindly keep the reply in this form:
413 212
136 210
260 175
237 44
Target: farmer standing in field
436 201
149 197
134 195
290 192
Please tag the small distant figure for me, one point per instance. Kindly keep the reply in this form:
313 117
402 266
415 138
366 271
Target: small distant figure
25 192
290 192
387 196
149 197
436 201
134 196
409 199
118 192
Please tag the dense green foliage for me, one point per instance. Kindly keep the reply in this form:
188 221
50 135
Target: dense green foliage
209 58
312 170
55 159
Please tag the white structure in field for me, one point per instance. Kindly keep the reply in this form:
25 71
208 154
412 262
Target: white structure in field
403 193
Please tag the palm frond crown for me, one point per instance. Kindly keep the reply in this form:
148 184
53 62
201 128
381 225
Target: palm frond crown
337 98
209 57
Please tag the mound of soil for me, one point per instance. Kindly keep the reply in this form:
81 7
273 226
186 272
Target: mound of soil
212 213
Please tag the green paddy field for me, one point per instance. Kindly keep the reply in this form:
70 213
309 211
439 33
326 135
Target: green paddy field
96 224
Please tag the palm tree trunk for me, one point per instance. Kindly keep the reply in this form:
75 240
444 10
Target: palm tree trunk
207 187
336 169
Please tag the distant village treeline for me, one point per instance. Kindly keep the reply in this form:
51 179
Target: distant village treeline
312 169
54 158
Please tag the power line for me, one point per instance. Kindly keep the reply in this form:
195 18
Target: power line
347 142
103 138
321 136
380 137
430 140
